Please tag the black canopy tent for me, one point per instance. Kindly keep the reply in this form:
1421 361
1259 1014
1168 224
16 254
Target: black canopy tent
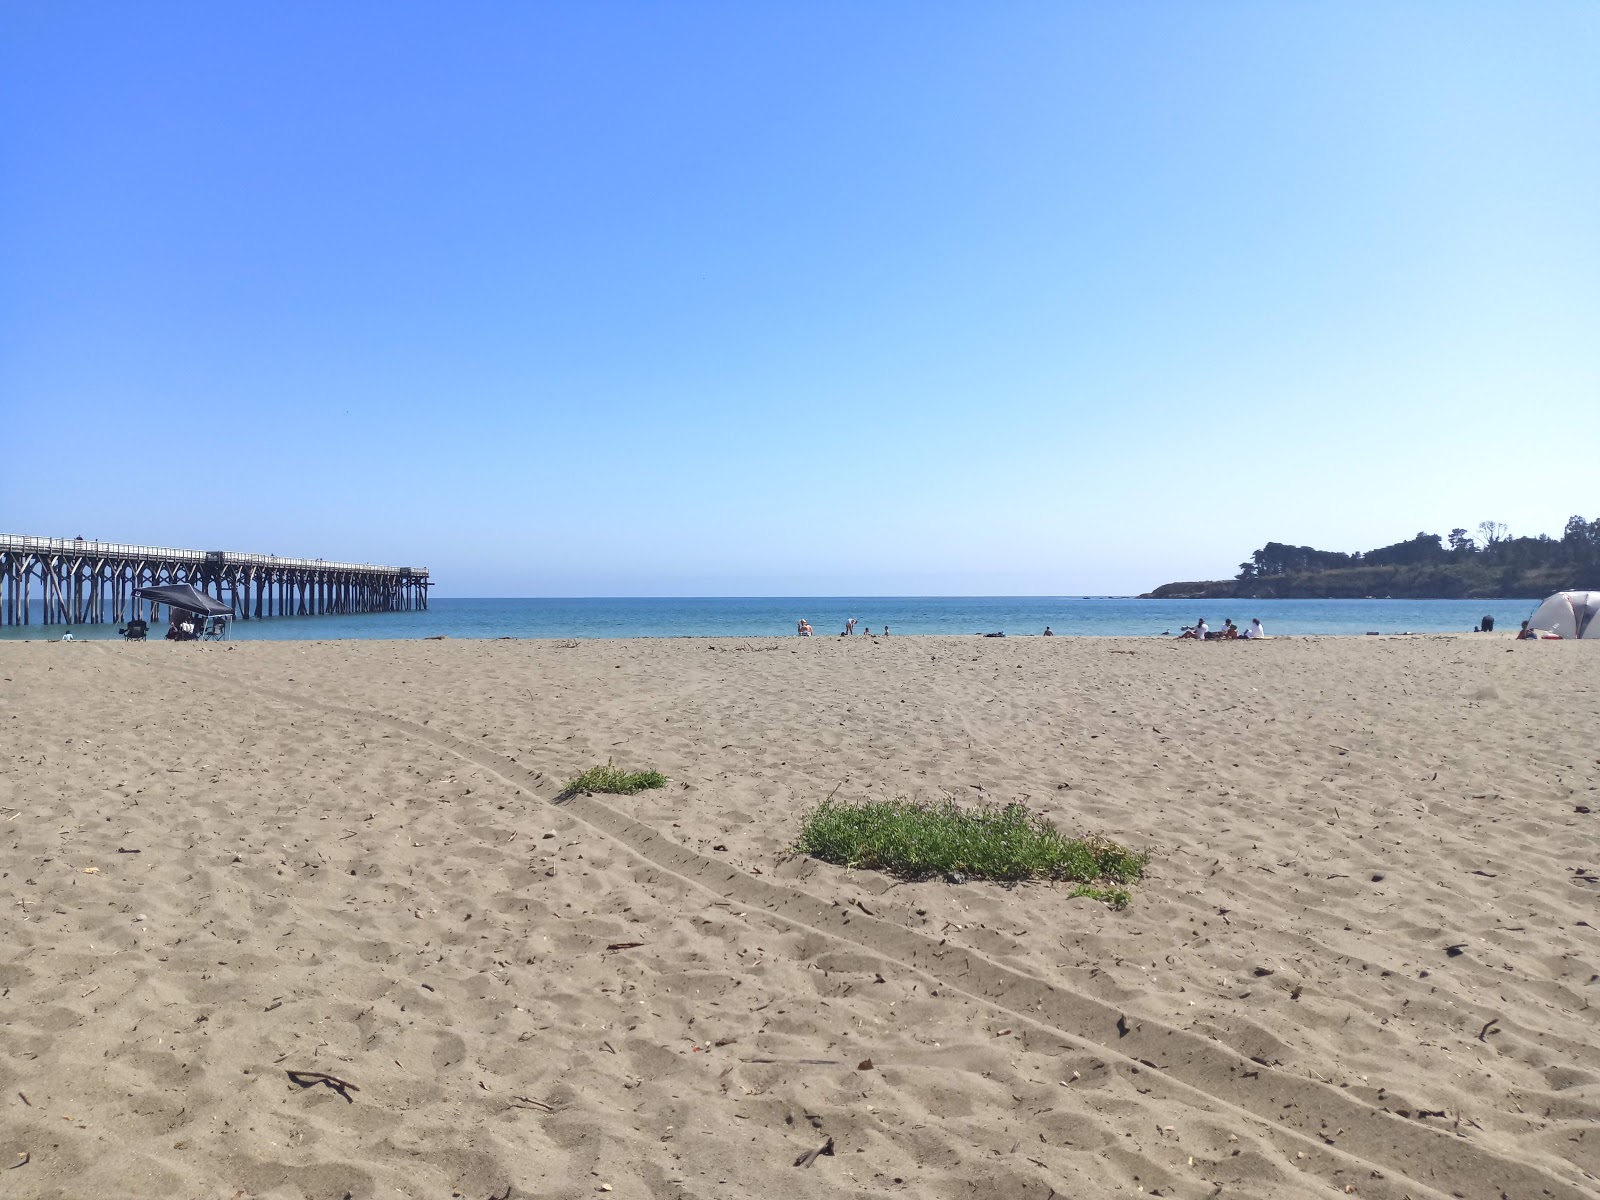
186 597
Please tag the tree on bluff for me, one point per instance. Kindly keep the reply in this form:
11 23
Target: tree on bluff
1423 549
1277 558
1580 541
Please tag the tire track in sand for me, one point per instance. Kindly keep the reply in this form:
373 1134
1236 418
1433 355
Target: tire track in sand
1318 1127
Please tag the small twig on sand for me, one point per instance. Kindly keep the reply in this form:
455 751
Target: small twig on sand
1489 1027
809 1062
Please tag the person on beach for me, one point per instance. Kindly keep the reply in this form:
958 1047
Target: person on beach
1229 629
803 629
1255 629
67 636
1048 632
885 631
1526 634
850 627
1199 633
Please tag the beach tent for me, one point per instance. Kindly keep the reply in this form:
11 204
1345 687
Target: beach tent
187 597
1569 615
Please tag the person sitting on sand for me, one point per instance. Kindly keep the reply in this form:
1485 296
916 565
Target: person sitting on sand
885 631
1048 632
1229 629
67 636
1255 629
1199 633
803 629
1525 634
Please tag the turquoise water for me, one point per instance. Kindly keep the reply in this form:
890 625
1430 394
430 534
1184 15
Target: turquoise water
765 616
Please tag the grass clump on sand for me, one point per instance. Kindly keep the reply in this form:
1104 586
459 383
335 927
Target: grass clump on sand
614 779
918 840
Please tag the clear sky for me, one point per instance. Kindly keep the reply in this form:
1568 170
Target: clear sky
883 298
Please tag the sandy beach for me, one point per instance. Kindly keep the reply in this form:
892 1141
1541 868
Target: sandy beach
1364 961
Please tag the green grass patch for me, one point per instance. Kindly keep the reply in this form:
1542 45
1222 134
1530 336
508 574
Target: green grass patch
917 840
615 780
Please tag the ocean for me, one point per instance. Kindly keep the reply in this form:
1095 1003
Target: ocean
769 616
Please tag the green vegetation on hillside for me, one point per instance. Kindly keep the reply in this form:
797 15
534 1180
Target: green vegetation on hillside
1428 565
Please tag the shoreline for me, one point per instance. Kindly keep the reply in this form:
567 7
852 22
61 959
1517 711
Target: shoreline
765 637
606 619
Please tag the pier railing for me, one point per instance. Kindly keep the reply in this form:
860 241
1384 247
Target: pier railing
13 541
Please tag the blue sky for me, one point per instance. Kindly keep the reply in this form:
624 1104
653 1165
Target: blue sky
653 299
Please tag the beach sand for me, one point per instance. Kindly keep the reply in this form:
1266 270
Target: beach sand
1364 962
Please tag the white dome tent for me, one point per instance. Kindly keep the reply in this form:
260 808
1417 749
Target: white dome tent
1569 615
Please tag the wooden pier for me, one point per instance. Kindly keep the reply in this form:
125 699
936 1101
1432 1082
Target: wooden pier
89 583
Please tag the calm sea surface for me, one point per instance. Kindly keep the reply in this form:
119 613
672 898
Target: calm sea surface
766 616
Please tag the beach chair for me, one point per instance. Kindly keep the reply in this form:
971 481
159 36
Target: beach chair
216 631
135 631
